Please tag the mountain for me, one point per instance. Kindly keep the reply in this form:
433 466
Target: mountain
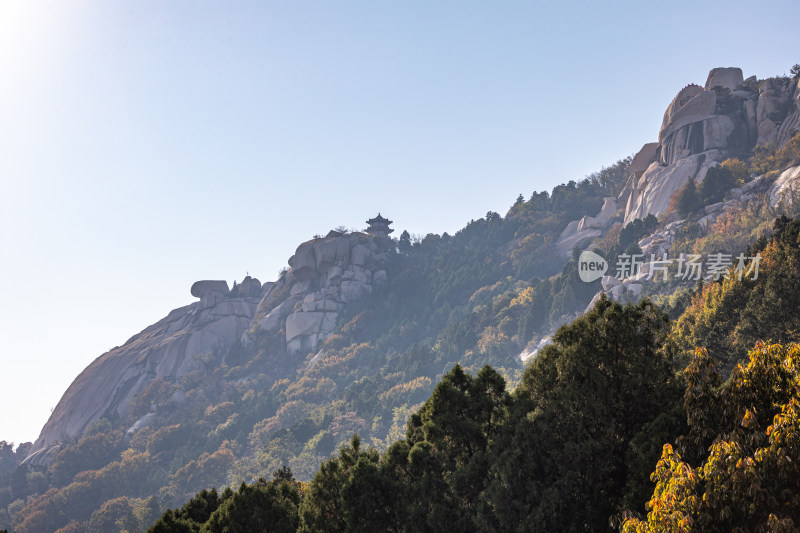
356 334
326 274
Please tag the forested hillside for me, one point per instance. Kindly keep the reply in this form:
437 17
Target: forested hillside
472 381
576 445
473 298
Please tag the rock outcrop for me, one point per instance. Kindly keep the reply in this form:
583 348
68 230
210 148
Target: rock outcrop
658 245
726 77
703 126
786 189
210 291
659 183
326 274
581 232
182 342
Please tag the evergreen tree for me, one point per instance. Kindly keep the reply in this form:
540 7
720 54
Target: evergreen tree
560 459
688 199
404 243
718 181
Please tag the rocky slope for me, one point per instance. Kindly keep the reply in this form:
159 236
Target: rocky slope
325 275
702 126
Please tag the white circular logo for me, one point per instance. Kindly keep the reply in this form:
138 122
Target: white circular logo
591 266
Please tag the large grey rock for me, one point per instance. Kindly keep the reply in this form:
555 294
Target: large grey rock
659 183
169 349
196 337
643 159
702 127
773 96
318 302
754 184
570 239
791 124
201 288
726 77
359 255
329 252
609 282
300 287
608 212
710 133
354 290
681 99
774 104
303 262
249 287
326 274
305 330
698 108
786 188
582 232
272 321
767 131
303 324
789 127
210 291
707 220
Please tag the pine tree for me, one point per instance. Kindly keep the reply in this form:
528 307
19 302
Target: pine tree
688 199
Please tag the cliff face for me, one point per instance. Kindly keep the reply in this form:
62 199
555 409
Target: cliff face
325 275
702 126
169 349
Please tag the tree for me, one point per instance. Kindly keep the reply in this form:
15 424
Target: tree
192 515
323 508
112 515
404 244
262 506
688 199
169 523
728 317
636 229
560 459
718 181
749 478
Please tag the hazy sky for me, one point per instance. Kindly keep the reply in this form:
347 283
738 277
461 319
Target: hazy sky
145 145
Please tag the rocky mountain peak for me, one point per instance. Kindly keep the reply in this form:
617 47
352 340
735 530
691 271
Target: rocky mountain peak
703 126
326 274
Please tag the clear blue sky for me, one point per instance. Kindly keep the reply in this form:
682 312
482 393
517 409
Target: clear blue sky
148 144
